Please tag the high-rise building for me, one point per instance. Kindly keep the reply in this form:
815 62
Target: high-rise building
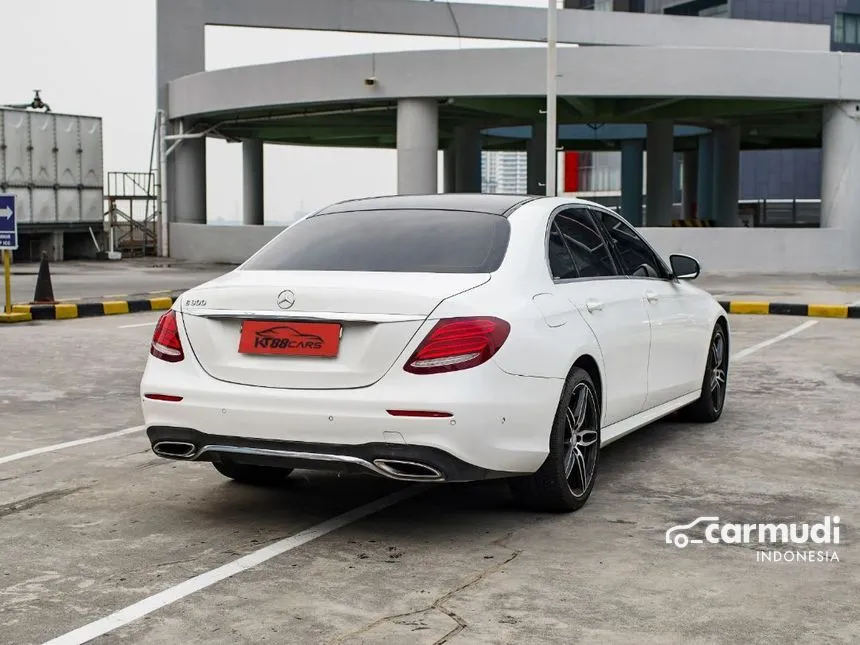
635 6
504 171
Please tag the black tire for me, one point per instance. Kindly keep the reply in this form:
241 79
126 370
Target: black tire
708 408
252 475
554 488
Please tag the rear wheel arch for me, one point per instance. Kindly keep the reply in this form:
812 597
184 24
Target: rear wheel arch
588 363
723 322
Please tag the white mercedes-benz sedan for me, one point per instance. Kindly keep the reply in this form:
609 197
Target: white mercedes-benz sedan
437 338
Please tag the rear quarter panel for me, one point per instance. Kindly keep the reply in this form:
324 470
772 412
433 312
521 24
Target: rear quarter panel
533 348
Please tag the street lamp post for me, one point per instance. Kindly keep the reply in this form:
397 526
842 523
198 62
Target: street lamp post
551 98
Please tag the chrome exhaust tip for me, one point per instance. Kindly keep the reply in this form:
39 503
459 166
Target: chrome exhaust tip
408 470
174 449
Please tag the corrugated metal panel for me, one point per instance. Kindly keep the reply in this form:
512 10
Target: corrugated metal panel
69 205
53 163
92 174
44 203
68 161
42 155
16 139
22 204
92 205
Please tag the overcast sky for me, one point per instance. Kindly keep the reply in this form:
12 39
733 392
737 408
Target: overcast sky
97 57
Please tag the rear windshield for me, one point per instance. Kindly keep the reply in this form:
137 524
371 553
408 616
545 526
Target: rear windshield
402 241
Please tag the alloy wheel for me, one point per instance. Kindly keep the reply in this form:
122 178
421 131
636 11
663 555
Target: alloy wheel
718 370
581 440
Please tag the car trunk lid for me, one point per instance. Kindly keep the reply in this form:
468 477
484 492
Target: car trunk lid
374 314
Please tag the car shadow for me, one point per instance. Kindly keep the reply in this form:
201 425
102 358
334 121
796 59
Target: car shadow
307 497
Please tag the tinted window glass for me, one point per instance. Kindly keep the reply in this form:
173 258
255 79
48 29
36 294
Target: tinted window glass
560 261
636 258
588 248
404 241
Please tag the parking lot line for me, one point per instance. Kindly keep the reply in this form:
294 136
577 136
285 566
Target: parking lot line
146 324
192 585
68 444
770 341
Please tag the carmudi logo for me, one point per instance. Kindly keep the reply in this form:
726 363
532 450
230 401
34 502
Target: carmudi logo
783 539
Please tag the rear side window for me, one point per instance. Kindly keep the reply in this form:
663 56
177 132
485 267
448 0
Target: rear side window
637 258
585 243
400 241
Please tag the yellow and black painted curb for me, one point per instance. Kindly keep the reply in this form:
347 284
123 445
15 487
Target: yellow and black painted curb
790 309
68 310
681 223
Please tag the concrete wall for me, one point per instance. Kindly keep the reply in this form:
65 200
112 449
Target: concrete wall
583 71
221 244
758 250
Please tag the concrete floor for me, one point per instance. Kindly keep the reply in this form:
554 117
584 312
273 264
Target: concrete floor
91 529
76 281
821 289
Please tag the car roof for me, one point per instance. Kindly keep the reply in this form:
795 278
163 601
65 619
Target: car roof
493 204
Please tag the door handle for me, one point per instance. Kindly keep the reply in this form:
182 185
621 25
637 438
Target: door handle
650 296
593 305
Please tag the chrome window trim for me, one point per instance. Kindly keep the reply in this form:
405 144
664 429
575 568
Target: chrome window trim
549 225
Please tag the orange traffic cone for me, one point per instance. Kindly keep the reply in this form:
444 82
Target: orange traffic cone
44 291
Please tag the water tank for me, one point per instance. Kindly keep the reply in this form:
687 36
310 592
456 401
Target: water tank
53 163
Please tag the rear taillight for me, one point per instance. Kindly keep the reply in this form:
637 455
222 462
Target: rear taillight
458 344
165 341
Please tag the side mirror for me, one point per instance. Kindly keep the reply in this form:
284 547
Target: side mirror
684 267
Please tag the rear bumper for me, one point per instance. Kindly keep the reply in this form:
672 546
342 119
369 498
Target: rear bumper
499 423
399 462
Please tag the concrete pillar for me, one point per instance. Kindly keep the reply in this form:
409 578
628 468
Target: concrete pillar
188 182
660 174
632 180
252 182
840 170
690 181
467 144
180 51
705 183
417 146
536 160
449 161
727 159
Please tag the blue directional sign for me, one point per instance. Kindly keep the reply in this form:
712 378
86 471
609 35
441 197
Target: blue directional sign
8 223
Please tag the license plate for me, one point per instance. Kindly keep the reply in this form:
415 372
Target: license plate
289 338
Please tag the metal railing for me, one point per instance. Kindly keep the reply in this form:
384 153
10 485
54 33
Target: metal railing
132 205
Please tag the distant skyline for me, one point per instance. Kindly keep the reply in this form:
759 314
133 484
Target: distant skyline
91 57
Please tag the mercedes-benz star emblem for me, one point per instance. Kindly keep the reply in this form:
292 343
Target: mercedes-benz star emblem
286 299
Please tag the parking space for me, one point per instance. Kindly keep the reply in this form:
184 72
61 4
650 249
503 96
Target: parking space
106 529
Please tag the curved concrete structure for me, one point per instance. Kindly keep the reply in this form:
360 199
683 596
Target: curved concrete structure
707 87
594 72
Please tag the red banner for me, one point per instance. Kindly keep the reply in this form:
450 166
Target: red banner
571 172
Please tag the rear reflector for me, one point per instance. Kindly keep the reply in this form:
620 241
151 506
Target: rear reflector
165 340
418 413
163 397
458 344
